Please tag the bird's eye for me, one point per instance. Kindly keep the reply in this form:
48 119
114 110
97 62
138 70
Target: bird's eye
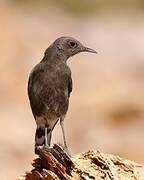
72 44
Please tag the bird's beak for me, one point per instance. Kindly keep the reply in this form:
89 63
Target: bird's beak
86 49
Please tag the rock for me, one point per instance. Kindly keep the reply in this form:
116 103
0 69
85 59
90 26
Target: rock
55 164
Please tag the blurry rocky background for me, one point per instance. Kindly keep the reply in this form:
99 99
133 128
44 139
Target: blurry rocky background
107 104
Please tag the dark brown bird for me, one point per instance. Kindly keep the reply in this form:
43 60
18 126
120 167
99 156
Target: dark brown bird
49 88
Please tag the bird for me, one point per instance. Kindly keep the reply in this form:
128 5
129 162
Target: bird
49 88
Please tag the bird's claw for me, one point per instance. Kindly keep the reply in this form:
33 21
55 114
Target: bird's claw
46 147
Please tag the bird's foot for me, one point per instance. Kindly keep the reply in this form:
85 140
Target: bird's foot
63 148
46 147
66 151
37 149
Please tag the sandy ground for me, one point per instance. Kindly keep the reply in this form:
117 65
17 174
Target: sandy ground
107 104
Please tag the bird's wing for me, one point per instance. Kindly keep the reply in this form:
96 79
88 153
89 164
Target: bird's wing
70 86
47 90
36 90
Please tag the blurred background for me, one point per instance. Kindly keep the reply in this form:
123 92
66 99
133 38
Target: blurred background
106 110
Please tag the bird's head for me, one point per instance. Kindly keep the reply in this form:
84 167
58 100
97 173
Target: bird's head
66 47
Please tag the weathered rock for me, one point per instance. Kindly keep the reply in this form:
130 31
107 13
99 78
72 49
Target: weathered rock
55 164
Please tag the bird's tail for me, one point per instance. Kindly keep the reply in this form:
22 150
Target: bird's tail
40 136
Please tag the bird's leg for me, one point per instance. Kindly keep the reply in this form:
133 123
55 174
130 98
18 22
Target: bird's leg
46 138
49 138
48 133
39 138
63 132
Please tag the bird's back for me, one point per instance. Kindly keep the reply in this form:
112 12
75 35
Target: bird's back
49 88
